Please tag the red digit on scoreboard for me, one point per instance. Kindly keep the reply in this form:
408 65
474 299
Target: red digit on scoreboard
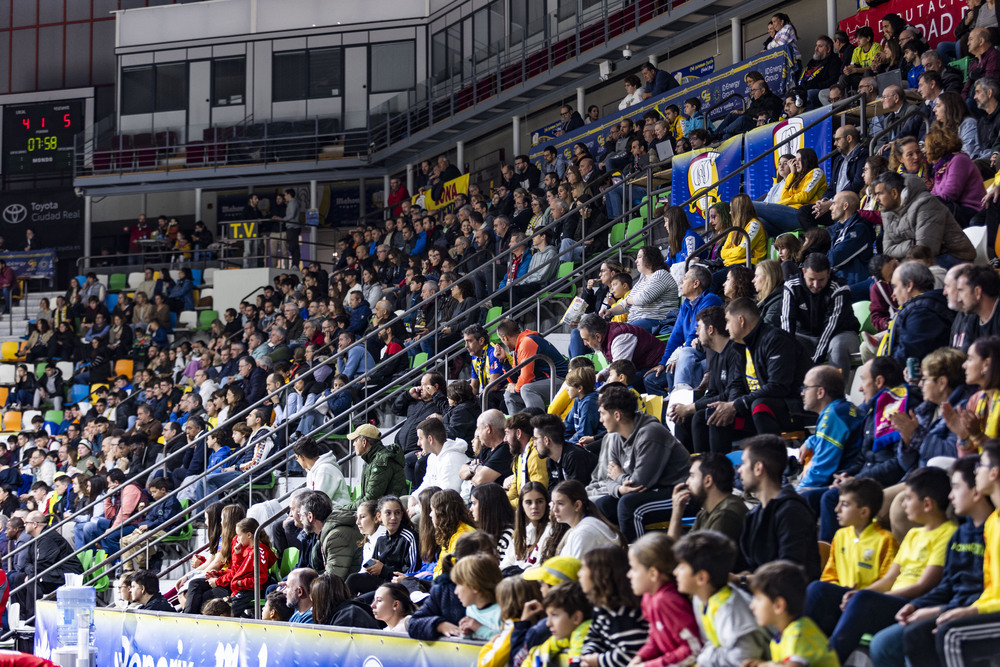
43 121
26 122
66 121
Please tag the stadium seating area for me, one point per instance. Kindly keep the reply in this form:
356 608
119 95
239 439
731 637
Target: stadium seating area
566 379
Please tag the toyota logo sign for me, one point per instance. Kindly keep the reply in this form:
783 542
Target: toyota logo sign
15 214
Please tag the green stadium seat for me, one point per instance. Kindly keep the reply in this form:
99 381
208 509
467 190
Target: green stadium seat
862 311
289 559
55 416
118 282
99 579
185 533
40 368
634 227
418 360
205 319
565 269
962 64
617 234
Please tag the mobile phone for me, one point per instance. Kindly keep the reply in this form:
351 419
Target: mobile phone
369 563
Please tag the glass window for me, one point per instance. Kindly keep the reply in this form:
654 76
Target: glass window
229 78
137 90
171 87
326 73
291 76
392 67
439 56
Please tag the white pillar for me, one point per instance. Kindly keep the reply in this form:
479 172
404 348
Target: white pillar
737 35
409 179
313 203
459 160
516 130
88 209
654 61
142 204
197 204
581 101
831 17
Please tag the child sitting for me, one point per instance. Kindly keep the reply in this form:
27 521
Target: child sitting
704 560
513 594
276 607
618 629
778 599
883 304
392 606
476 579
562 403
567 612
862 550
621 286
674 636
236 582
583 419
915 570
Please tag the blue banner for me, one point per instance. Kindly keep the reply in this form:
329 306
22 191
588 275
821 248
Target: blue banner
760 176
145 639
695 71
33 264
546 133
774 65
694 172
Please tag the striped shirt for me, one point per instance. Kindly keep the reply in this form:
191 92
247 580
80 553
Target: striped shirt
653 296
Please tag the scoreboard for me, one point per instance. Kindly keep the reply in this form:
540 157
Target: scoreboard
39 137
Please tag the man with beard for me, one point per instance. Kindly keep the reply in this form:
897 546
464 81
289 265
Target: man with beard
528 462
710 484
565 462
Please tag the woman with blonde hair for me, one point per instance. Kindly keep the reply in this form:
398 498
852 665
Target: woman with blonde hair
769 280
734 249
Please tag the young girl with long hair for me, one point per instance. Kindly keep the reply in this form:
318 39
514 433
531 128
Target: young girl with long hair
333 604
393 607
222 521
618 630
247 568
587 527
451 518
395 550
493 514
681 239
674 635
366 519
531 527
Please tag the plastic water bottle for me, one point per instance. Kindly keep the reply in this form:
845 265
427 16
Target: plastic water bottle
70 601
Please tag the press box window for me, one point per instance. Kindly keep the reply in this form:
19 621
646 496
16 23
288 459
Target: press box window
154 88
229 81
312 74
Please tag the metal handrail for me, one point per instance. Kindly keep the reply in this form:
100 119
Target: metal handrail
893 125
530 360
716 238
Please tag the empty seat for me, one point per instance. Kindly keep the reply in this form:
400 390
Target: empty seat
205 319
124 367
67 369
8 350
207 276
12 420
117 282
188 318
55 416
28 415
7 373
135 279
78 392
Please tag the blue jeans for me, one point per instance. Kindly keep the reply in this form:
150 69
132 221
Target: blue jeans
689 370
949 51
614 198
567 255
6 300
650 325
92 530
735 123
867 612
576 346
886 647
824 505
778 218
112 543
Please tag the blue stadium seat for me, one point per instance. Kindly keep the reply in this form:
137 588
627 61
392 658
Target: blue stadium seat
79 392
110 301
196 276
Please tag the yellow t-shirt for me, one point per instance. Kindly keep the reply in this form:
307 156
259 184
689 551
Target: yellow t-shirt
621 302
857 561
920 549
528 466
865 58
734 250
803 642
462 529
989 601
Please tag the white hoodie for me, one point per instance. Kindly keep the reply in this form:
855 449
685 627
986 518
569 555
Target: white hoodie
326 476
443 468
586 535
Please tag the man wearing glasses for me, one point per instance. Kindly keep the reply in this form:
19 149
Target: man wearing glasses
571 120
839 428
49 550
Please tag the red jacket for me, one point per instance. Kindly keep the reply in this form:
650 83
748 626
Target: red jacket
396 198
239 575
674 636
119 507
7 277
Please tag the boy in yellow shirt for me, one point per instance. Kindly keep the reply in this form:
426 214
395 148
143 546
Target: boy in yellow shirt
621 286
778 600
862 550
917 568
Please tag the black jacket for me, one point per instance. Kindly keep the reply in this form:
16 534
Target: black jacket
768 103
923 324
415 412
353 614
780 362
855 171
820 74
967 328
770 308
397 553
822 315
530 179
254 387
48 549
575 122
784 529
952 79
460 420
157 603
726 375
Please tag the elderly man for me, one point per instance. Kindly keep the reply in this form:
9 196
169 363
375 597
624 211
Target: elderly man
985 60
895 106
923 322
493 464
206 386
254 380
951 78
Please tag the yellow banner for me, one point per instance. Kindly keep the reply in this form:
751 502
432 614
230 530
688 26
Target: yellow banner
452 189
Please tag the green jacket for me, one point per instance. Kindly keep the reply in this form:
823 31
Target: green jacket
337 551
383 474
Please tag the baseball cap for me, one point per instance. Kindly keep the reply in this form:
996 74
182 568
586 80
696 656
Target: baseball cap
365 431
554 571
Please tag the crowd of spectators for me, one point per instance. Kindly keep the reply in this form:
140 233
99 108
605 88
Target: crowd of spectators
701 477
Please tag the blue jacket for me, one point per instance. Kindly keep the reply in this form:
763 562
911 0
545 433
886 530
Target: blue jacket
160 514
962 581
922 325
662 82
685 327
359 318
583 419
838 429
698 121
521 270
218 456
692 241
358 362
932 437
851 248
184 290
194 458
442 605
419 244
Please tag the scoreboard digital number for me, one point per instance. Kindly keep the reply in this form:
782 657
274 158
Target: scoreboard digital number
39 137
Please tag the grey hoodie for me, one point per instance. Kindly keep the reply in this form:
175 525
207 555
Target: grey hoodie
740 638
650 457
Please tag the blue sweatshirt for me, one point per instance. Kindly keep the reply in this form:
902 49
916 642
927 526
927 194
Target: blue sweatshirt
685 329
583 419
838 428
962 581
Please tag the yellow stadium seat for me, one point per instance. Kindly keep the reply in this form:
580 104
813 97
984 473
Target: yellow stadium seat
12 420
8 350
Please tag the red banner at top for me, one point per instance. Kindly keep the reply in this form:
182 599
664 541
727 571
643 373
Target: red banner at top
936 19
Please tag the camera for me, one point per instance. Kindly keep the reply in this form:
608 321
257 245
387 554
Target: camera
627 53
